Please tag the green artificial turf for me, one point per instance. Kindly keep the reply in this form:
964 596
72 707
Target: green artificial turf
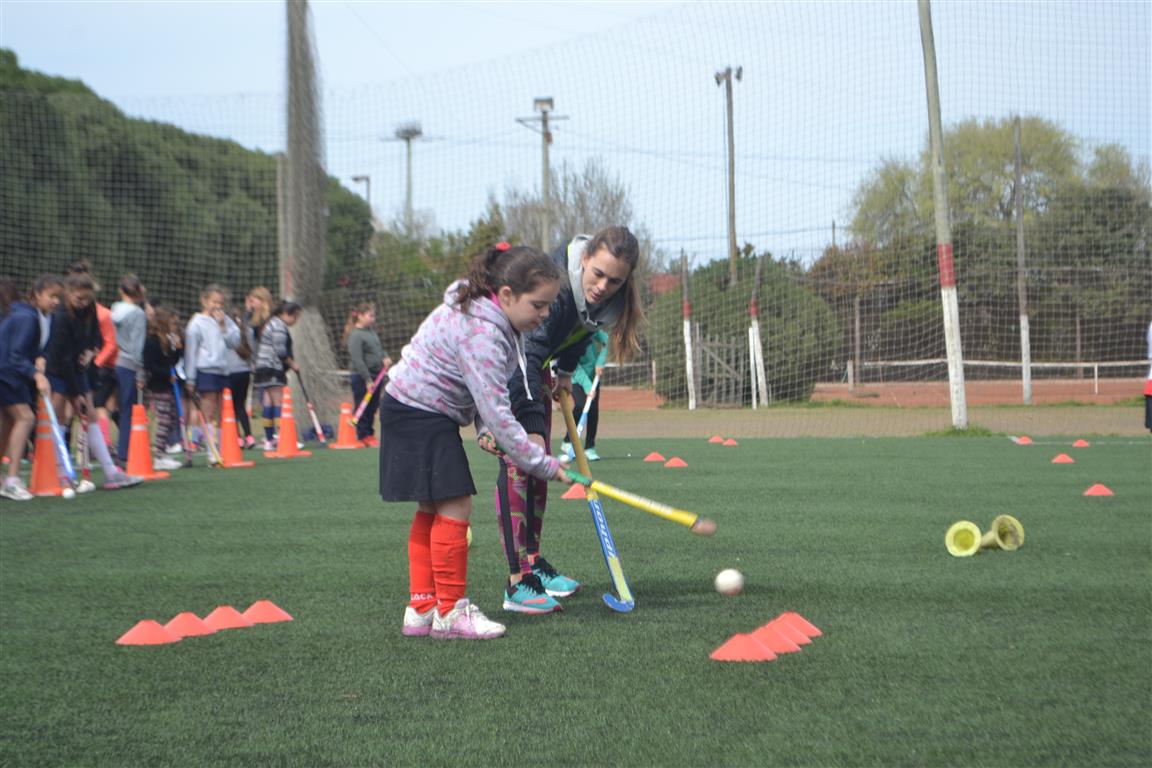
1036 657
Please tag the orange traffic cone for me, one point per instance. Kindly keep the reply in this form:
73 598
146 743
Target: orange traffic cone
45 480
346 439
576 491
230 436
287 448
139 453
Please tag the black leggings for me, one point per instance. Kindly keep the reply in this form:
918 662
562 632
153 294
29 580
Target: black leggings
579 396
238 383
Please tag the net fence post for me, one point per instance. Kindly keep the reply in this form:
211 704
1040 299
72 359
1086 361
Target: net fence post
943 227
1021 274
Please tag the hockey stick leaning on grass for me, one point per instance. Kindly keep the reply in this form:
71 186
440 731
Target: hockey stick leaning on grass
311 409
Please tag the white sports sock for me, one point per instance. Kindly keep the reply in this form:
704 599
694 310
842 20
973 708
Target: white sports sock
98 448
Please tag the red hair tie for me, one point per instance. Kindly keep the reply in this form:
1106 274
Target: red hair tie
502 246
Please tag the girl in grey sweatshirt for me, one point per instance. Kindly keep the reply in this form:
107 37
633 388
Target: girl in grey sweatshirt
131 322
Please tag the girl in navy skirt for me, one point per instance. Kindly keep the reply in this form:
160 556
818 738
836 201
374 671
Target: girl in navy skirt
24 334
454 372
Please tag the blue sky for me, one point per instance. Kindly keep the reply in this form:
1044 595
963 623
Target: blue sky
828 90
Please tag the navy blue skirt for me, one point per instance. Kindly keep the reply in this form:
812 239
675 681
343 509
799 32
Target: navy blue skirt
421 455
16 393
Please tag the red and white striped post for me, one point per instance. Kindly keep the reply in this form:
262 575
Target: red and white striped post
943 227
686 312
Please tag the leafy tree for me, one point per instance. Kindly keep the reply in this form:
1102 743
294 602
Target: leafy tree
1085 222
80 180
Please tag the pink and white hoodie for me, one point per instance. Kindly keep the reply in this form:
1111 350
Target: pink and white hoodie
458 364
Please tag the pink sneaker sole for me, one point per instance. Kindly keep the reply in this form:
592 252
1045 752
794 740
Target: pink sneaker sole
416 631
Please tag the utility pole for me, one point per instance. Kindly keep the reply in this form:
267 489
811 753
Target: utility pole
544 106
406 132
725 77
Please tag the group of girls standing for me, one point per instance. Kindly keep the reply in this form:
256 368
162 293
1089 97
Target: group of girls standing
82 357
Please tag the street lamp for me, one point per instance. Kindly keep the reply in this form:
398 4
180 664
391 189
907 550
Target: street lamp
406 132
544 106
367 180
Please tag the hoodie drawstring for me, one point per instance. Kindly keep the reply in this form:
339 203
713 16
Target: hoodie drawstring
522 359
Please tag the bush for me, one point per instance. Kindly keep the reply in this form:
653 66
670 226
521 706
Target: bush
798 330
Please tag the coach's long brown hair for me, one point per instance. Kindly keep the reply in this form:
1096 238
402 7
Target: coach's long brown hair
625 333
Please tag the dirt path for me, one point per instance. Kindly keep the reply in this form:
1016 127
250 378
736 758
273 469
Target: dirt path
897 409
836 421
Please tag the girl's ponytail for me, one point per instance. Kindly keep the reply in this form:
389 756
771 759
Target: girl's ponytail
479 281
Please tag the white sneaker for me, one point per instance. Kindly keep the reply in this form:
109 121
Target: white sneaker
164 463
418 624
174 450
464 622
269 445
15 490
85 486
121 480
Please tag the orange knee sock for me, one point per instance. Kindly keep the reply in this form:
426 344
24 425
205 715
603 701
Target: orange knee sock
421 585
449 561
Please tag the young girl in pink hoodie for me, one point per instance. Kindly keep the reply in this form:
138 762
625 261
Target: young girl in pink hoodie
454 372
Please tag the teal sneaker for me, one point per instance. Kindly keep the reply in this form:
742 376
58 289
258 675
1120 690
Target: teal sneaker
591 454
553 582
528 596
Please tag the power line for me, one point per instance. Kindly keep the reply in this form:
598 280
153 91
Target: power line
380 38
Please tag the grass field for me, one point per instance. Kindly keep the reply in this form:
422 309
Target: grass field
1038 657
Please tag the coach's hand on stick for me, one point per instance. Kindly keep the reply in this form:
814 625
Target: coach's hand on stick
562 383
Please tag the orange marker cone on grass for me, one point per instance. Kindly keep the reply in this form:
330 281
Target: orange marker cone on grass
188 624
742 647
266 612
148 632
226 617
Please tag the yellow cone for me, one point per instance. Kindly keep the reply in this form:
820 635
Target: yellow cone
1007 533
962 539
